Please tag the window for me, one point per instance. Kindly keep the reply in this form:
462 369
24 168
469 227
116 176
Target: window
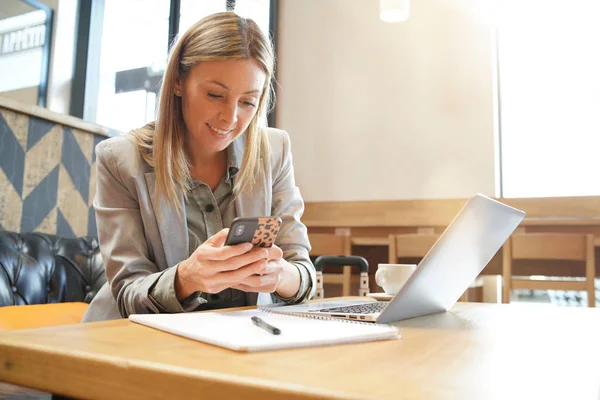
135 50
25 37
549 87
133 56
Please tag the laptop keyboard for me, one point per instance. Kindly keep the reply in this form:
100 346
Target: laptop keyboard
367 308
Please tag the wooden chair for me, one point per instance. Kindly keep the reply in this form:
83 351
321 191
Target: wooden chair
329 244
548 246
409 246
413 246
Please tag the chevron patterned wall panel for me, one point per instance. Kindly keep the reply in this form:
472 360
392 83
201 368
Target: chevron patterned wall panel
47 176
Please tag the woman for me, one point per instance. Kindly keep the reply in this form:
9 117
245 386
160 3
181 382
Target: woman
167 192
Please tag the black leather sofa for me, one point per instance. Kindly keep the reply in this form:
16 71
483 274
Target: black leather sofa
38 268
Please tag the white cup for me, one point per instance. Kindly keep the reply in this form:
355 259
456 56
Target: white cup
391 277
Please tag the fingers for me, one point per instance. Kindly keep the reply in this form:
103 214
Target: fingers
248 276
270 267
208 250
218 239
239 257
266 281
218 267
275 253
258 276
246 288
237 262
222 280
262 284
236 276
213 249
260 281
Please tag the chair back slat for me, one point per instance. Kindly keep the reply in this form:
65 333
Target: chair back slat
410 246
328 244
549 246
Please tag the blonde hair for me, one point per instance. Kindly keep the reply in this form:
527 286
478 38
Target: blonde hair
218 37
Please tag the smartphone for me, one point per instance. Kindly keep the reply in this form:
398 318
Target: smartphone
260 231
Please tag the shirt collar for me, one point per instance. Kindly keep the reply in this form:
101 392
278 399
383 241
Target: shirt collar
235 152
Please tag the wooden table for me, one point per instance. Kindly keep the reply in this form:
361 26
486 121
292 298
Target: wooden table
479 351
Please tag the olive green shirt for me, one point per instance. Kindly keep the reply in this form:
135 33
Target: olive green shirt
207 213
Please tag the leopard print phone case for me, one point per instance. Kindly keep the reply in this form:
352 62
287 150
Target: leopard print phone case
260 231
266 231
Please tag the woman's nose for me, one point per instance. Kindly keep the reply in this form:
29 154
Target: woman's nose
229 114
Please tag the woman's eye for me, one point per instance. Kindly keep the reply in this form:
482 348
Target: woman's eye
249 103
215 96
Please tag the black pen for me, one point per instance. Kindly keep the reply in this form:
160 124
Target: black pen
267 327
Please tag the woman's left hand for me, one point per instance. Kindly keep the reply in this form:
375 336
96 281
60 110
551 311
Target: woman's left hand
277 275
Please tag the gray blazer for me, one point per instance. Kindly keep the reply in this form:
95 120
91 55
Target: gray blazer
137 249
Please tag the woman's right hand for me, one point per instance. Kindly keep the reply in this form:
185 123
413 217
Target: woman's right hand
214 267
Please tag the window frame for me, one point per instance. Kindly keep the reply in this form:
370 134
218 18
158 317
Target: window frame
46 50
85 87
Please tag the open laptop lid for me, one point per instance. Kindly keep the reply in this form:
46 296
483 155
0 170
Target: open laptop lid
455 260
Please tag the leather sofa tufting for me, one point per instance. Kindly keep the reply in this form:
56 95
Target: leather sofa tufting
47 279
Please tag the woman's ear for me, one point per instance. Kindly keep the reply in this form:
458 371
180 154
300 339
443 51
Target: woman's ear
178 87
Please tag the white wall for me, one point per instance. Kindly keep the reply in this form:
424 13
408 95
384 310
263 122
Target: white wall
387 111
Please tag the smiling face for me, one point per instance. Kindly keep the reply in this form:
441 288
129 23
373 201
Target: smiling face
219 100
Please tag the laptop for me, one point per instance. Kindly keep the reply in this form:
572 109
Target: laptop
455 260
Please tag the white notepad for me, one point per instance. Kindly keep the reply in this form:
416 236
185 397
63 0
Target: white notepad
234 330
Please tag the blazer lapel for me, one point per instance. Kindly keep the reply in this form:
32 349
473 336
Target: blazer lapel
172 226
250 203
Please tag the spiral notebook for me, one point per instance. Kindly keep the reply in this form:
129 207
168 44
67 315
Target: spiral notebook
235 330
